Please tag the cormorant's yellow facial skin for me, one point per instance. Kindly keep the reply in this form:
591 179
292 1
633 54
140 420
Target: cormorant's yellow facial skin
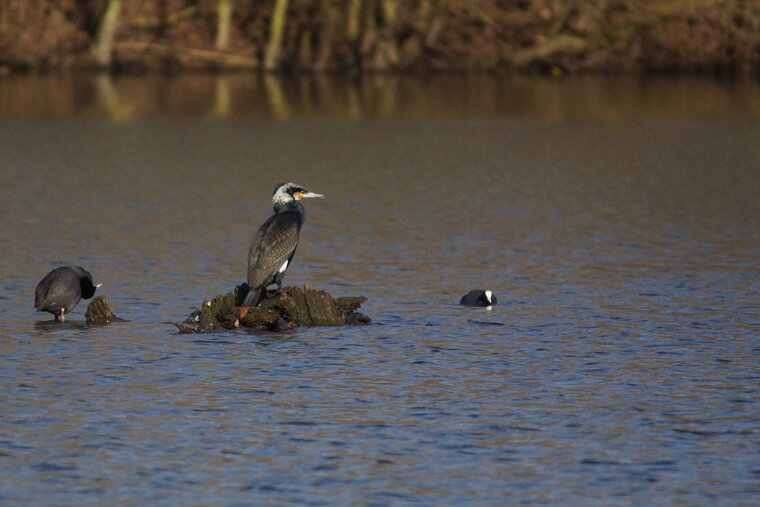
298 196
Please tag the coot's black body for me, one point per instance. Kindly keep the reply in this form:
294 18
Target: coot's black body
62 289
478 298
274 244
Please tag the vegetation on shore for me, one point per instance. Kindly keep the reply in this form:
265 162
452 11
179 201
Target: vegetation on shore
382 35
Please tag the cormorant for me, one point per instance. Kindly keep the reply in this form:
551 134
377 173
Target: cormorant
478 298
276 240
62 289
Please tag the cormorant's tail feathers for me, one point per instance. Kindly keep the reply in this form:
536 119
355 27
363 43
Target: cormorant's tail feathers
252 298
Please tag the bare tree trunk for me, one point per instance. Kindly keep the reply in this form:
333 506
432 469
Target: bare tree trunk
368 37
389 11
223 20
388 49
106 33
305 58
327 38
353 21
276 25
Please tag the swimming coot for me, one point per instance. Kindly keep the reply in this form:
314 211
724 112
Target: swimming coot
478 298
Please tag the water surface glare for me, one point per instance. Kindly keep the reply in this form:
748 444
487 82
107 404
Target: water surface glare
621 238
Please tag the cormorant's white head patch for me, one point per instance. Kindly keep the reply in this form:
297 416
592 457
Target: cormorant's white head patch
289 192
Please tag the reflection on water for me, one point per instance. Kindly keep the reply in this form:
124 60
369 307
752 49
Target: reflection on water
52 325
109 101
375 96
616 221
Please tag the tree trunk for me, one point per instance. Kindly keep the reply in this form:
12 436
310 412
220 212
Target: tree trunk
223 20
326 41
276 25
388 48
106 33
353 21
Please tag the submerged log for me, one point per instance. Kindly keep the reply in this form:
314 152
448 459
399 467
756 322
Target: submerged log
98 312
287 308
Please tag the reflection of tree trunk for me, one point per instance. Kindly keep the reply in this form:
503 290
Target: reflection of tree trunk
278 103
388 96
221 107
106 33
354 101
223 19
109 99
276 25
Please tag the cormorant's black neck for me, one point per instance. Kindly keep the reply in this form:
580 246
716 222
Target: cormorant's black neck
291 206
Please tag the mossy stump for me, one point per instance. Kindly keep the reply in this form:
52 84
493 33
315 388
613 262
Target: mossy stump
98 312
287 308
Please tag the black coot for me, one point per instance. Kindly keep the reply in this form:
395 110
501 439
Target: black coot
62 289
478 298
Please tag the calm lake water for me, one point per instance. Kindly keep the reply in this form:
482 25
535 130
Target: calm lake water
617 221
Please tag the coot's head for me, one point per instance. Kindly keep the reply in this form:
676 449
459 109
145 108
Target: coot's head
85 279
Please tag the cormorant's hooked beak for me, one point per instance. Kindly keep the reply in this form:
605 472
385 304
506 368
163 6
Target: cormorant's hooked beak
303 195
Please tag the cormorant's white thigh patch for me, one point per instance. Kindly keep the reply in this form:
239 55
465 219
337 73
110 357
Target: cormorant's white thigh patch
488 295
283 267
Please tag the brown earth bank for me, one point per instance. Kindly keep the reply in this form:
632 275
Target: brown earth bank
550 36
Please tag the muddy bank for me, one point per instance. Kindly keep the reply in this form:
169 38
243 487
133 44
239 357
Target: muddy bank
291 35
